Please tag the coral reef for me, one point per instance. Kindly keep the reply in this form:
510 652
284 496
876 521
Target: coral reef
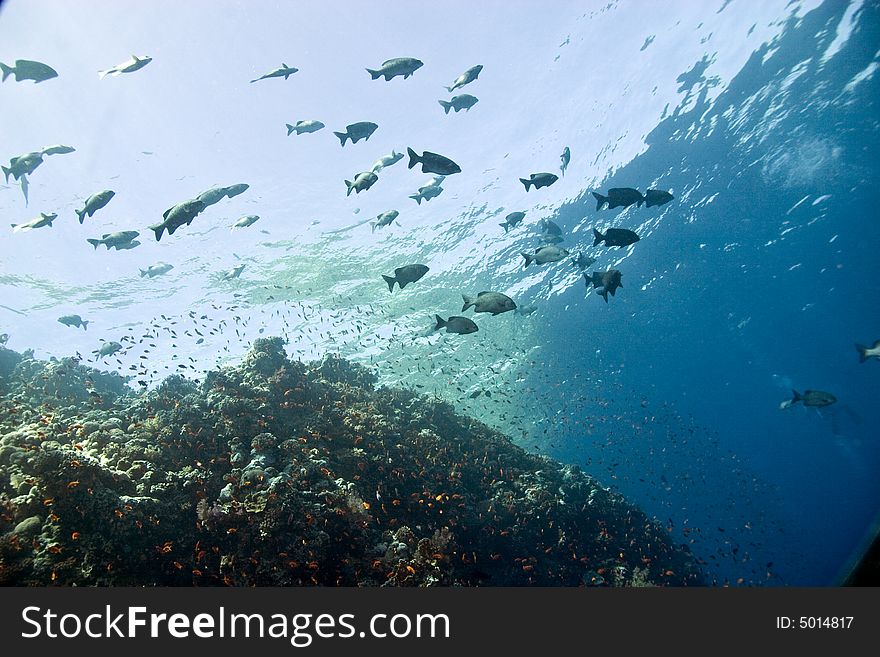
281 473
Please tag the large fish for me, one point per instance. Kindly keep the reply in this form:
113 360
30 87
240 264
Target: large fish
488 302
384 219
134 64
107 349
391 68
545 254
615 237
212 196
405 275
657 197
458 103
813 398
39 222
619 197
465 78
26 69
284 71
362 181
456 324
156 270
432 163
607 282
122 240
302 127
177 216
74 320
868 352
539 180
23 165
356 132
429 191
386 161
512 220
94 203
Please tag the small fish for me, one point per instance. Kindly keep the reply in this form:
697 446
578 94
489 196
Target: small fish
58 149
405 275
566 158
129 66
433 163
245 221
619 197
108 349
545 254
512 220
583 261
456 324
121 240
26 69
235 190
526 310
489 302
429 191
615 237
386 161
404 66
539 180
868 352
284 71
156 270
657 197
384 219
458 103
74 320
94 203
607 282
465 78
235 272
362 181
303 127
39 222
814 398
356 132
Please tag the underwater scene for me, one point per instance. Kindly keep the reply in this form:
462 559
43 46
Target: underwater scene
438 294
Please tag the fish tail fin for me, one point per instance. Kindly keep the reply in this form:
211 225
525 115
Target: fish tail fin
505 227
468 302
528 259
374 75
391 280
417 198
7 71
94 243
413 158
81 214
525 182
449 89
795 396
85 324
49 220
104 74
16 228
158 230
6 172
641 200
373 226
863 356
342 137
440 322
350 186
604 294
600 200
290 129
143 272
597 237
446 105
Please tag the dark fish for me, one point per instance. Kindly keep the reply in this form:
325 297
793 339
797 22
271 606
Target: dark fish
426 193
657 197
458 103
405 275
433 163
456 324
512 220
26 69
94 203
391 68
539 180
815 398
607 282
615 237
619 197
356 132
868 352
362 181
583 261
489 302
177 216
284 71
23 165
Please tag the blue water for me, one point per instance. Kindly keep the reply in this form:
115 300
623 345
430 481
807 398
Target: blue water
758 278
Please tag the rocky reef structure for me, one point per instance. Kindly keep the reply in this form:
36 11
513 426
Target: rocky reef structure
280 473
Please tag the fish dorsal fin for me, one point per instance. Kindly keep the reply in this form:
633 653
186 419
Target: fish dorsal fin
479 294
105 236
